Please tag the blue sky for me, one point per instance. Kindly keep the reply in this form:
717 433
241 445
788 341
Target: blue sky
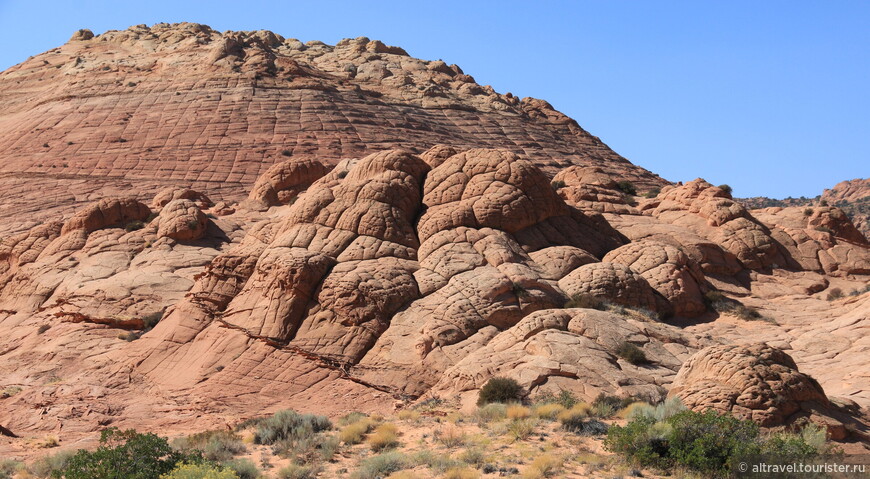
770 97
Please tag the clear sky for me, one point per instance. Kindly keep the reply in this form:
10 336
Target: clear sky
771 97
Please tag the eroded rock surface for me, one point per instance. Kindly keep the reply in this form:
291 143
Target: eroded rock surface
756 382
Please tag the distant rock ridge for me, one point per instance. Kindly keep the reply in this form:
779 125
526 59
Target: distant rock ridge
182 105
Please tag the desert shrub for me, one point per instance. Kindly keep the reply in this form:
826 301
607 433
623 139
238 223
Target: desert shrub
521 429
438 462
490 412
43 328
215 445
382 465
557 185
591 427
47 465
606 405
461 473
199 471
519 290
627 187
718 302
385 436
578 411
288 425
134 226
707 443
629 200
586 301
501 390
835 294
150 320
652 193
824 229
631 353
286 153
10 391
548 411
450 436
727 189
8 468
565 398
660 412
244 468
808 212
298 471
342 174
823 203
126 454
517 411
474 456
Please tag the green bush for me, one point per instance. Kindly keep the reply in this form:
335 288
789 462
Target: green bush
707 443
502 390
631 353
383 465
627 187
199 471
127 454
557 185
652 193
727 189
834 294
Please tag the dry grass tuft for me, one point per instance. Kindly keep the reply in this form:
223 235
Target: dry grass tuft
548 411
545 465
354 432
385 436
461 473
517 411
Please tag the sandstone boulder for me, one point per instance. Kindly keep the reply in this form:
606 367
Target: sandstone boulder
182 221
283 181
755 382
616 283
668 270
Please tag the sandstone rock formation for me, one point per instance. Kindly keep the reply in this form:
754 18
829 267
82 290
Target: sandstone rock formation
185 106
335 228
755 382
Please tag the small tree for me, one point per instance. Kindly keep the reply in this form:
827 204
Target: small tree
727 189
128 455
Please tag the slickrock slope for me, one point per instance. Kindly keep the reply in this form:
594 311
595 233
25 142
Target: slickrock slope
363 283
183 105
